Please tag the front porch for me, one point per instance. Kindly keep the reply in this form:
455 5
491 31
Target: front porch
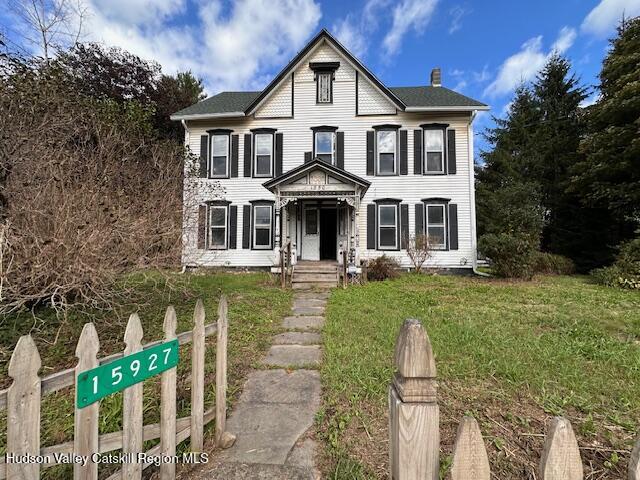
317 213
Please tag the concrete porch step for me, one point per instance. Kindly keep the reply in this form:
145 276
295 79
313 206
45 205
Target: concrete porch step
314 285
314 277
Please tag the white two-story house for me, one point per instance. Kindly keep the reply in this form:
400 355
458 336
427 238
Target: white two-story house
327 157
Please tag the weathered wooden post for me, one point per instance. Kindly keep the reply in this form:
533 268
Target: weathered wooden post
132 405
283 273
413 407
634 462
344 269
470 458
224 439
197 379
168 403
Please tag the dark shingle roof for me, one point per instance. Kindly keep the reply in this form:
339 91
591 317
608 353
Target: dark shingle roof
429 96
227 102
224 102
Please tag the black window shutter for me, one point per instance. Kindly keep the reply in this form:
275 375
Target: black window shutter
273 227
451 151
278 154
404 169
307 157
419 218
370 164
246 226
404 225
340 150
234 155
202 227
453 226
204 155
247 155
371 226
417 152
233 226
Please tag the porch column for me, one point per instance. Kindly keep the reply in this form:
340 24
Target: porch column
356 221
276 246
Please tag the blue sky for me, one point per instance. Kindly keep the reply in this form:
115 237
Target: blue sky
484 48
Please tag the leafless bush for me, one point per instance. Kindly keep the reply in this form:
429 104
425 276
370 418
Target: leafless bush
419 250
86 192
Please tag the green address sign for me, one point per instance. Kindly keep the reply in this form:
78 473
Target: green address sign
115 376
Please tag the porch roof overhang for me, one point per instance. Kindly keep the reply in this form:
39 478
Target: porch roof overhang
316 164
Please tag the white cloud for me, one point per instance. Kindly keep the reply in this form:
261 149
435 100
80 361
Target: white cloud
590 100
524 65
350 35
457 12
229 49
408 15
602 20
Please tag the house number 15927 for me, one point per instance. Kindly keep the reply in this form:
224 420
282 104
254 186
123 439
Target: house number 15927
95 384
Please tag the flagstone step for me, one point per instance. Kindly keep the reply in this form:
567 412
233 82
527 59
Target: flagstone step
293 356
304 322
298 338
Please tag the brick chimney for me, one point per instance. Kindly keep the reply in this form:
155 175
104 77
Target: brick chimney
436 77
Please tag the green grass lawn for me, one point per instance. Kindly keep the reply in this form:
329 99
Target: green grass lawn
256 308
511 354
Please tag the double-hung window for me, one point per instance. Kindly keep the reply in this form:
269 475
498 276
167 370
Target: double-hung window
263 159
219 166
387 227
386 152
218 227
325 146
434 150
436 221
262 225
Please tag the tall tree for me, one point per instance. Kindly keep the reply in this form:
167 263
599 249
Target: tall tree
609 174
174 93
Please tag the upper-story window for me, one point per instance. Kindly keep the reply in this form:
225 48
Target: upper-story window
324 87
434 150
324 76
219 166
386 152
325 146
263 158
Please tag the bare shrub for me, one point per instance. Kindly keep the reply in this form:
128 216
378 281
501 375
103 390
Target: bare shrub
419 250
87 191
382 267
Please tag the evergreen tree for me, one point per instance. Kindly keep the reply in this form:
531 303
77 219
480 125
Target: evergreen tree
609 174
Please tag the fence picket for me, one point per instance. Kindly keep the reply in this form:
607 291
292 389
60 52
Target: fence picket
223 439
85 436
470 458
23 409
132 405
197 379
634 462
168 404
561 457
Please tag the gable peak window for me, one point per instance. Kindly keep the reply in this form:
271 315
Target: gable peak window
324 76
263 158
386 151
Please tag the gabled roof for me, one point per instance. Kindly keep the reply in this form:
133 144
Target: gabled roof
324 35
239 104
313 164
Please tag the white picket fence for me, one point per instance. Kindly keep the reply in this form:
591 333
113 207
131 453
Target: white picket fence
414 428
23 398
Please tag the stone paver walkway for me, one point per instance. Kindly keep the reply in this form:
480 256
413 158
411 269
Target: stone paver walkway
278 405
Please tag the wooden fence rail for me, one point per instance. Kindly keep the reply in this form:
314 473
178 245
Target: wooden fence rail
414 429
23 398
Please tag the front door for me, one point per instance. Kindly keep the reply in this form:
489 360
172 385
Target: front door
328 234
310 234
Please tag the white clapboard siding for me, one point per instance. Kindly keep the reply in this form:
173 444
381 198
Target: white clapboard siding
298 138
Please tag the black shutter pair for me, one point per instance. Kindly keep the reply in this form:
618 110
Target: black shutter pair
371 166
372 229
248 157
453 223
204 156
232 226
451 152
